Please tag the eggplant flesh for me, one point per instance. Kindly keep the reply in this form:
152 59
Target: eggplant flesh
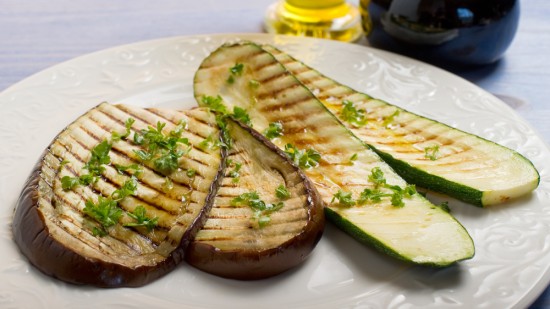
53 232
232 243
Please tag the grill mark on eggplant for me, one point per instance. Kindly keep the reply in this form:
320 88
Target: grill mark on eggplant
145 166
75 208
69 223
144 182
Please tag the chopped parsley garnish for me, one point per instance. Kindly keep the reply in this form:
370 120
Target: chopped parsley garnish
225 140
168 184
105 211
274 130
210 143
253 83
116 136
162 150
396 193
241 115
282 192
215 104
128 188
190 173
140 215
389 120
353 158
353 115
235 172
377 177
344 198
303 158
236 70
132 168
261 209
99 157
371 195
69 183
431 152
400 193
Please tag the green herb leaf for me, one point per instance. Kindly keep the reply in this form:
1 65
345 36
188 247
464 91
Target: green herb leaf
353 158
241 115
128 188
389 120
431 152
274 130
377 177
167 185
372 195
304 159
234 71
344 198
115 136
215 104
140 215
261 209
163 150
106 212
69 183
282 192
254 84
397 199
235 172
135 169
99 157
191 173
237 69
353 115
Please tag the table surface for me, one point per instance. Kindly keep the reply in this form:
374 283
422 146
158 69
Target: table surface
40 33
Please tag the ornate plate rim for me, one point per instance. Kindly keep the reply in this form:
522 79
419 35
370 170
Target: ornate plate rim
21 107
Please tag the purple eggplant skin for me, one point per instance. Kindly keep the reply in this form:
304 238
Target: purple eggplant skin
49 255
56 260
254 265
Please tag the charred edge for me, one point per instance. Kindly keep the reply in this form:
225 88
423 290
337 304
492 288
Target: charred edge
273 261
54 259
201 218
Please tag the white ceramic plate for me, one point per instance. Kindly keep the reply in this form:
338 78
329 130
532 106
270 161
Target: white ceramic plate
512 261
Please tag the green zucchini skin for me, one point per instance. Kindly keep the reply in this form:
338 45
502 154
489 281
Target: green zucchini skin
512 174
419 232
433 182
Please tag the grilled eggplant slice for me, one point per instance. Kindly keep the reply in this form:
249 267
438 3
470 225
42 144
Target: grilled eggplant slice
55 231
362 194
423 151
242 241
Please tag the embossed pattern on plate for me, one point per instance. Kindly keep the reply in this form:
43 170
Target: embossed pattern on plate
512 262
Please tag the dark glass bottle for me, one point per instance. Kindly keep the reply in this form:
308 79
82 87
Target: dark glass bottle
444 32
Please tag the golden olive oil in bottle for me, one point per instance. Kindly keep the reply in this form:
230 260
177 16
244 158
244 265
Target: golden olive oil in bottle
329 19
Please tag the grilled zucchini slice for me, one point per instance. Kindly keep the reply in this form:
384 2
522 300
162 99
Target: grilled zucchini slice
423 151
243 76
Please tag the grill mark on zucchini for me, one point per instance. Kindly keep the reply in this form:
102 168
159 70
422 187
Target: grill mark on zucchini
451 186
284 113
